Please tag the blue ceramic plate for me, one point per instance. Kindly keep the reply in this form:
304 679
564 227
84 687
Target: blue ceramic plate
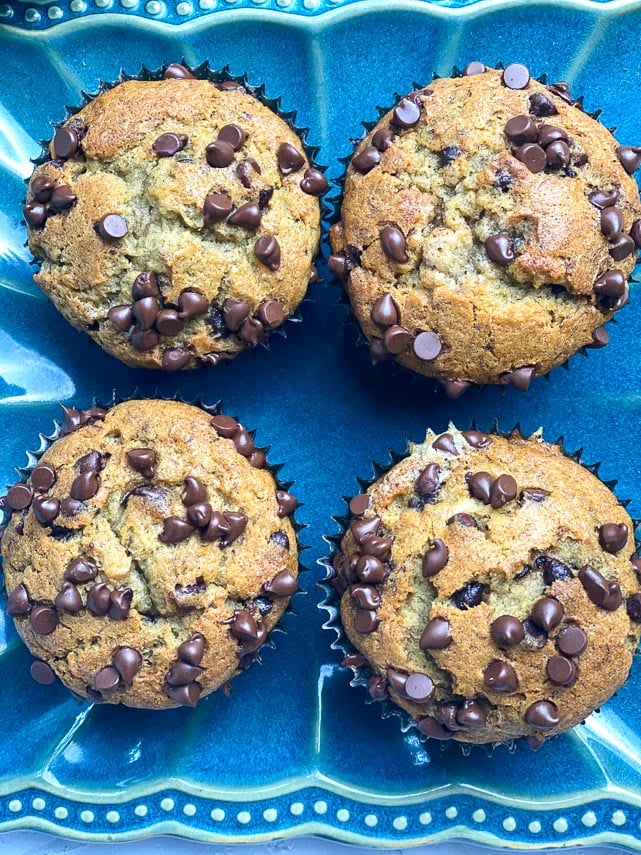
294 749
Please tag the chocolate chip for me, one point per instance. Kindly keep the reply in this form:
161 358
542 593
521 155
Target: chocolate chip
406 113
19 497
520 378
182 673
107 680
380 547
42 673
621 247
476 439
479 485
466 520
553 569
168 322
43 620
445 442
271 314
234 135
289 159
437 635
362 529
540 105
435 558
500 676
243 442
448 155
547 613
473 68
314 182
41 188
122 317
175 359
515 76
469 595
377 351
225 426
282 585
393 244
45 509
175 71
427 483
199 514
18 602
337 266
145 285
244 626
365 621
367 159
503 180
65 143
600 337
611 290
91 462
143 460
571 641
252 332
562 90
613 537
216 208
500 248
557 154
80 570
235 313
370 570
280 539
248 216
611 221
427 346
419 688
120 603
68 599
532 155
144 339
600 590
112 227
385 311
397 339
633 607
521 129
43 477
377 687
549 134
167 145
507 631
629 157
267 250
219 154
603 198
70 507
237 524
62 198
191 304
542 714
35 214
287 503
561 671
85 486
502 491
175 530
145 311
471 714
365 596
192 650
635 233
187 696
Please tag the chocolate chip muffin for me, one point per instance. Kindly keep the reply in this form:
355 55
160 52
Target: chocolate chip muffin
489 585
488 229
176 220
149 554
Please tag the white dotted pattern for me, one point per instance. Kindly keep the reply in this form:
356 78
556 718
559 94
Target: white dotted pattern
425 818
320 807
296 808
244 817
509 823
189 809
560 825
141 810
451 812
87 816
589 819
15 805
479 815
619 818
38 804
534 827
112 816
371 821
400 823
342 815
270 815
61 812
218 815
167 804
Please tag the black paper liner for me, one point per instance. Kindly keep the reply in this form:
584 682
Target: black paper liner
47 440
334 200
331 601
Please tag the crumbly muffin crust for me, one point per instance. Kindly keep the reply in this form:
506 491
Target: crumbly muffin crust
489 583
176 221
488 228
149 554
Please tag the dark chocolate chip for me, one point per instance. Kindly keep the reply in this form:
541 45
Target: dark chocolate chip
107 680
502 491
385 312
62 198
19 497
80 570
562 90
613 537
507 631
337 266
243 442
561 671
377 687
611 221
235 313
18 602
621 246
85 486
167 145
182 673
127 662
535 494
380 547
35 214
144 339
365 596
122 317
367 159
469 595
45 508
65 143
540 105
437 635
557 154
216 208
466 520
195 491
532 155
419 688
362 529
175 71
314 182
192 650
635 233
199 514
600 590
248 216
397 339
287 503
145 311
500 676
120 603
371 570
219 154
479 485
547 613
427 483
515 76
542 714
41 188
187 696
282 585
143 460
225 426
43 477
168 322
191 304
571 640
68 599
252 331
520 378
500 248
471 714
234 135
549 134
377 351
280 539
267 250
42 673
175 359
406 113
633 607
244 626
175 530
393 244
396 680
271 314
237 524
289 159
600 337
445 442
473 68
603 198
435 558
427 346
430 727
476 439
521 129
553 569
43 620
112 227
448 155
629 157
145 285
611 290
365 621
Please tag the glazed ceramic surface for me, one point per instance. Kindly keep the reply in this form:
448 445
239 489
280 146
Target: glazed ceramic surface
294 749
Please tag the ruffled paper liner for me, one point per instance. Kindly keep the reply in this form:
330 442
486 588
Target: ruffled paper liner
47 440
361 673
215 76
335 200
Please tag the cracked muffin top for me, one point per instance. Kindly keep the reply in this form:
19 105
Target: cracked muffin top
176 221
149 554
488 229
489 584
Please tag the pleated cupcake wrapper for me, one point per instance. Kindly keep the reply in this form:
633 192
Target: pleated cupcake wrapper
205 72
331 601
47 440
335 200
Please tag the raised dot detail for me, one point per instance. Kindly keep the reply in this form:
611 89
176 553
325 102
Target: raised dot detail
38 804
451 812
103 4
189 809
370 820
479 815
296 808
218 815
54 13
167 804
618 818
15 805
183 9
244 817
112 816
589 819
342 815
560 825
87 816
153 7
61 812
400 823
6 11
141 810
206 5
31 16
509 823
425 818
320 807
534 827
129 4
270 815
78 6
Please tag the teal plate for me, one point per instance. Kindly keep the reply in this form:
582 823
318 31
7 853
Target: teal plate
294 750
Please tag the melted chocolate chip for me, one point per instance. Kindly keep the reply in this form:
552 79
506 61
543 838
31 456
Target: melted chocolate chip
43 620
469 595
553 569
282 585
234 135
602 592
45 509
267 250
280 539
476 439
127 661
611 290
534 637
629 157
533 156
145 285
541 105
175 530
62 198
448 155
502 491
289 159
175 71
359 504
393 244
500 248
143 460
613 537
19 497
435 558
445 442
195 491
471 714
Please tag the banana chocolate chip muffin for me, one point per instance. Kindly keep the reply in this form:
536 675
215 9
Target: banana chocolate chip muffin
489 584
176 220
149 554
488 229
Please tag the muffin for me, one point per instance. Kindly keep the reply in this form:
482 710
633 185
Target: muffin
176 220
149 554
489 584
488 229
